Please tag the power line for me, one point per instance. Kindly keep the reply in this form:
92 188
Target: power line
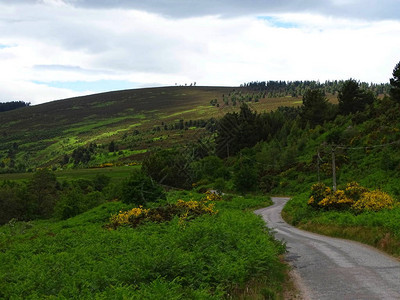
367 147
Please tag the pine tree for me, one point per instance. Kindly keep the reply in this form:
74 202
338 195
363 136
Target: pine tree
395 84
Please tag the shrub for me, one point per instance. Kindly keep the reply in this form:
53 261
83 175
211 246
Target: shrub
337 200
354 197
101 181
71 203
140 189
12 204
168 167
319 191
373 201
354 190
185 210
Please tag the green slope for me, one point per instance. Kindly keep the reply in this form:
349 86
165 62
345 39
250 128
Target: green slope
40 136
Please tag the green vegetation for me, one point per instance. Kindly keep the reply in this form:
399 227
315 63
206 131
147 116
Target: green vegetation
379 229
102 225
136 120
213 256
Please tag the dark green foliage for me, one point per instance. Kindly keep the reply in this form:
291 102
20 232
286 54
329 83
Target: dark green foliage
245 176
395 84
12 105
316 109
210 168
34 200
42 194
82 155
12 201
169 167
140 189
73 202
352 98
100 182
245 129
111 147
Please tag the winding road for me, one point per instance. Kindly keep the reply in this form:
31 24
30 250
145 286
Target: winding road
330 268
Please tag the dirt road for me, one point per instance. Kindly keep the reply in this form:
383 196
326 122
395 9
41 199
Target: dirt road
332 268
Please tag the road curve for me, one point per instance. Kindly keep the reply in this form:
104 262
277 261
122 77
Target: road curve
331 268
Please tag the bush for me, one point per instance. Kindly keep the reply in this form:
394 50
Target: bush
169 167
73 202
373 201
101 181
319 191
140 189
43 194
354 197
11 202
185 210
70 204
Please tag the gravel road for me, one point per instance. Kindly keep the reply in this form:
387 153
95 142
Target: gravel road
330 268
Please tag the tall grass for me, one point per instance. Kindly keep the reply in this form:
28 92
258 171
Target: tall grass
210 258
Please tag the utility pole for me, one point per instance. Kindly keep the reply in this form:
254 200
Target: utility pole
318 159
333 169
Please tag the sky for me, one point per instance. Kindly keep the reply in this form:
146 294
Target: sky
56 49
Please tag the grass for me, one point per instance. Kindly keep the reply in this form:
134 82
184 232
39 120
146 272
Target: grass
378 229
212 257
115 173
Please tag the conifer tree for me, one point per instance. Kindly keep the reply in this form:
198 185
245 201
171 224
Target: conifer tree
395 83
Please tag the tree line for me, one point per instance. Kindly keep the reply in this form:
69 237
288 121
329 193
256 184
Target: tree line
6 106
298 88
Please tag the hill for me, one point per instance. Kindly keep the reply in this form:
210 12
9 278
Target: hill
132 121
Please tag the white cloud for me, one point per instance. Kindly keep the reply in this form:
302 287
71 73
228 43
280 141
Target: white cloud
54 42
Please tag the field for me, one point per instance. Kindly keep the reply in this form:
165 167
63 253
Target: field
137 120
229 254
115 173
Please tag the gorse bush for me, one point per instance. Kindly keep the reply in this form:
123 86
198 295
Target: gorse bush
373 201
319 191
354 197
184 210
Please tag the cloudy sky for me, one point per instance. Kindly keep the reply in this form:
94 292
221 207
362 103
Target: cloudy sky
54 49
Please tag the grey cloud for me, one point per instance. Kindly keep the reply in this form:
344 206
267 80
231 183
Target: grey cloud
359 9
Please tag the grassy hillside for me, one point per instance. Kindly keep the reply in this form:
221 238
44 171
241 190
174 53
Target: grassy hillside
214 256
137 120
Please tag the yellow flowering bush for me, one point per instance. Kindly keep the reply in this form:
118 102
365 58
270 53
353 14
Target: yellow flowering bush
337 200
123 217
212 197
373 201
185 210
354 190
319 191
354 197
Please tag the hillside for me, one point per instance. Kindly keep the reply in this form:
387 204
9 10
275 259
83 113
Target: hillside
137 120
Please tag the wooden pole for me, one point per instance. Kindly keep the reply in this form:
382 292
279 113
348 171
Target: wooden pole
333 169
